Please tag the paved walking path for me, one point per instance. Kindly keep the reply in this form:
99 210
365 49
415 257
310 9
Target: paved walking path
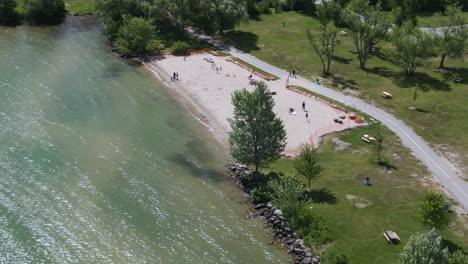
439 167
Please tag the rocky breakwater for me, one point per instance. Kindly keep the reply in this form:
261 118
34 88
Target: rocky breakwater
274 217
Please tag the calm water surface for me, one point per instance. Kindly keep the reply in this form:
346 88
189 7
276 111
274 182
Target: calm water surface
99 165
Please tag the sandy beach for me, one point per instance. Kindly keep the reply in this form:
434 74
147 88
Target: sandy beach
209 90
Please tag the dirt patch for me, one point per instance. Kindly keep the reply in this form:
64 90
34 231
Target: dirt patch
351 197
455 160
340 144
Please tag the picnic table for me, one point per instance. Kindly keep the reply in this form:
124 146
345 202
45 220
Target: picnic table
391 236
387 95
368 138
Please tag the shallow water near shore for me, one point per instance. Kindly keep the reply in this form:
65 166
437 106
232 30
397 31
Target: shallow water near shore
98 164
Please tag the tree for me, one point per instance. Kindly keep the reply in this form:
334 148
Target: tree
227 13
453 35
404 10
177 12
431 212
458 257
307 163
324 43
44 11
288 194
412 48
368 25
258 136
334 256
8 15
329 11
379 145
424 248
135 36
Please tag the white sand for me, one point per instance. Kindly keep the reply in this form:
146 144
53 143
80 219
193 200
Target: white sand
211 93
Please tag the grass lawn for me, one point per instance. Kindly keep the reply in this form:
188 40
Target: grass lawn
390 201
79 6
442 113
432 20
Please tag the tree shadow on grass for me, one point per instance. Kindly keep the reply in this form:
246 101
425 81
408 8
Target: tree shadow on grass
341 82
322 195
387 165
452 247
245 41
420 79
342 60
458 75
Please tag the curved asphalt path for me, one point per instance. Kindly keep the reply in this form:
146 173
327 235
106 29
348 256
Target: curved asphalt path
439 167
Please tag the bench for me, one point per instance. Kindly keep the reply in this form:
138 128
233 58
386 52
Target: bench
391 237
386 95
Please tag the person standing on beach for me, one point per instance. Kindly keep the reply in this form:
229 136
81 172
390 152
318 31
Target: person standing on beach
294 73
303 106
177 76
307 117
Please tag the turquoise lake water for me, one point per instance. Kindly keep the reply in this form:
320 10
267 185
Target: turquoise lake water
98 164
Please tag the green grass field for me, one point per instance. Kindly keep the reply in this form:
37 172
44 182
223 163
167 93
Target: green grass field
442 109
79 6
431 20
390 201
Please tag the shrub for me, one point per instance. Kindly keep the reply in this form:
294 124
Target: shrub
333 256
44 11
135 35
181 47
8 14
260 195
288 194
312 228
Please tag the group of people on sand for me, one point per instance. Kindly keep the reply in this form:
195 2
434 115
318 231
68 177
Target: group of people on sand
293 112
175 76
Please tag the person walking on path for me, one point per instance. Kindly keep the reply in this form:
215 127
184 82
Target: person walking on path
303 106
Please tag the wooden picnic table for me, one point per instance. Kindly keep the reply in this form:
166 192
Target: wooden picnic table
391 236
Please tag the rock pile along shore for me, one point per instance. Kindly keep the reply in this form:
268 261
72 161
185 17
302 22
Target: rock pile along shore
274 217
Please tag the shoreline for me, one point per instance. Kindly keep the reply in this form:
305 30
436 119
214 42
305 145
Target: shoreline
206 93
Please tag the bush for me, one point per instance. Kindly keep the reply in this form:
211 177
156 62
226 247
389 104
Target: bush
44 11
312 228
260 195
333 256
181 47
8 15
135 35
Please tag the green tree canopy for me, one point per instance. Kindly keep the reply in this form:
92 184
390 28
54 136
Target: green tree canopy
226 13
324 43
258 136
135 36
412 48
308 163
452 40
334 256
8 14
44 11
368 25
288 194
430 210
424 248
458 257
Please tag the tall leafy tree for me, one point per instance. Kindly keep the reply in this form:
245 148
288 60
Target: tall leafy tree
412 48
424 248
44 11
404 10
430 210
258 136
324 43
368 25
307 163
329 11
226 13
178 12
452 37
135 35
288 194
8 14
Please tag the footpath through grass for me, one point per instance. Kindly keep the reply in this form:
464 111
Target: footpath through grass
442 113
357 214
